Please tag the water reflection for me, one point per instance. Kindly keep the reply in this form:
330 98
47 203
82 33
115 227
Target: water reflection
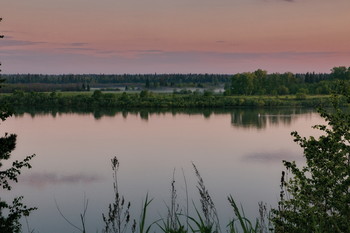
272 156
261 118
234 155
240 117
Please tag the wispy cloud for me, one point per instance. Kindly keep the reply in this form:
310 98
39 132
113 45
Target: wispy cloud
227 56
77 44
76 49
7 31
45 179
9 41
280 0
147 51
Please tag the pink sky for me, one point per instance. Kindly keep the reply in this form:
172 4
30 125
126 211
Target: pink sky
174 36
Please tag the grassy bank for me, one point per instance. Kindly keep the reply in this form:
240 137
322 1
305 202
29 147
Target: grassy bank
146 99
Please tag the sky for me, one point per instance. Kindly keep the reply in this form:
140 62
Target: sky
173 36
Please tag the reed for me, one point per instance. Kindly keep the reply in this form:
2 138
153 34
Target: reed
118 218
177 220
172 223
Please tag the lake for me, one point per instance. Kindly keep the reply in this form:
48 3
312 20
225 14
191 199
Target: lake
237 152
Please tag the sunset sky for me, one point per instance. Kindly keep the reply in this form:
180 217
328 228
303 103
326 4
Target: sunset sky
173 36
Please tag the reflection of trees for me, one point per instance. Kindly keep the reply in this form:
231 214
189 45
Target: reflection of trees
247 118
261 118
144 115
207 113
125 114
242 117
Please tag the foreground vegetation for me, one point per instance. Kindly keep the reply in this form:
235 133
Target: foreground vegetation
178 220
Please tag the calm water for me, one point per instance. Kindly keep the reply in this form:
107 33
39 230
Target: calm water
237 152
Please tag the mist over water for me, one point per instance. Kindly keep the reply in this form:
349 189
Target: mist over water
237 152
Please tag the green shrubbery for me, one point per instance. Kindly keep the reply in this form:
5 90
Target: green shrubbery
316 198
147 99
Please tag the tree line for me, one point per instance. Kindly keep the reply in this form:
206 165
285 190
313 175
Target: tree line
258 82
162 79
261 83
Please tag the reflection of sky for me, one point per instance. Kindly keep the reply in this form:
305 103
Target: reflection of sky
272 157
74 152
41 180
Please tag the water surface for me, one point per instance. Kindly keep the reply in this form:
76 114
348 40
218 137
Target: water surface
237 152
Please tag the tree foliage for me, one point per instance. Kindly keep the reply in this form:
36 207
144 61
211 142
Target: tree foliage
260 82
316 198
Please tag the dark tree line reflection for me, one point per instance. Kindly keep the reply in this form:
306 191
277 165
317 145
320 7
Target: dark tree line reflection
258 118
261 118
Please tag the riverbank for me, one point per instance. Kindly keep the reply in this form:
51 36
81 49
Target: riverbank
147 99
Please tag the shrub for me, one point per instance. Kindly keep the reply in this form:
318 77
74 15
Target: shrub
317 197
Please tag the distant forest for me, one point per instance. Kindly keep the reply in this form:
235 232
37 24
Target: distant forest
81 82
258 82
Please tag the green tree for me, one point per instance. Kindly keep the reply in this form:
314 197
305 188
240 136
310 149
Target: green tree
340 72
316 198
97 95
147 85
261 76
144 94
243 83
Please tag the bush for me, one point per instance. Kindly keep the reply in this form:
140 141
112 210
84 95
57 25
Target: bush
317 197
300 96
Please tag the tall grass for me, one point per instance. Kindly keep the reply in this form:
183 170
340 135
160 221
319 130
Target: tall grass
118 218
178 220
208 221
172 223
